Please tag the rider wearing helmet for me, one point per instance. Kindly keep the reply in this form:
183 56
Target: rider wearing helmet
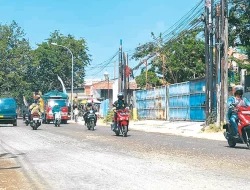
237 100
119 104
89 106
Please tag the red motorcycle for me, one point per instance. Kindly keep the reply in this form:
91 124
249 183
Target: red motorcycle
122 122
243 127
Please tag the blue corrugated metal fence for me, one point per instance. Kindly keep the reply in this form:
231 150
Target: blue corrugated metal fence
181 101
178 98
151 104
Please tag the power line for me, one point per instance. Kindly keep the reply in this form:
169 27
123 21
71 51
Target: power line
102 67
181 20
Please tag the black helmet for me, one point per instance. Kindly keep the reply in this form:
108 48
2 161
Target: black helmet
238 90
120 95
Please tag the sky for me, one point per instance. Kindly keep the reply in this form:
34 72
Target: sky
102 23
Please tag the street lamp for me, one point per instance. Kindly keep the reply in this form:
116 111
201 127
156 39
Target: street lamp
72 75
106 75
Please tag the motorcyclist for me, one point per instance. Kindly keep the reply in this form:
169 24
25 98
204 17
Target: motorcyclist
55 109
34 108
89 106
118 104
237 100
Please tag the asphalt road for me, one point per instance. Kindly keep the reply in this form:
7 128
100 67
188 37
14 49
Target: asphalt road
71 157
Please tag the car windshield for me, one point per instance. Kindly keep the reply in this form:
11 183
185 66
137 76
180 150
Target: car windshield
7 103
61 103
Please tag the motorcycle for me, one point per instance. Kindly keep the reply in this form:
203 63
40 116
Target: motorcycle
243 127
91 120
122 122
36 121
57 119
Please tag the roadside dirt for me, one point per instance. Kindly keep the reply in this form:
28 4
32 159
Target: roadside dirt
11 176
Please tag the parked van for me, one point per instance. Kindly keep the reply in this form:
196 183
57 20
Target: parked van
8 114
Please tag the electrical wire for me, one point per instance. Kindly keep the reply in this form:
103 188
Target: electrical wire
181 20
102 66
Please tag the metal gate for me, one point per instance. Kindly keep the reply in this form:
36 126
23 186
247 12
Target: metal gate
178 101
151 104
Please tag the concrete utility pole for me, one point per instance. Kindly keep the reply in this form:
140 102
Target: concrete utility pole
207 58
163 68
128 92
120 68
124 76
222 23
211 57
226 59
218 63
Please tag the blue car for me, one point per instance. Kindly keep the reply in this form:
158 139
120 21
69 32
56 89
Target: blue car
8 114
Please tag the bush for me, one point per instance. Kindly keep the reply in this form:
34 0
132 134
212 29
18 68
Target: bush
211 119
109 117
214 128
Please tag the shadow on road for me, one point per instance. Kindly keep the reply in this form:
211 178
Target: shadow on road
238 147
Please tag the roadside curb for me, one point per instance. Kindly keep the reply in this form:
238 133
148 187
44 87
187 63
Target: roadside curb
163 129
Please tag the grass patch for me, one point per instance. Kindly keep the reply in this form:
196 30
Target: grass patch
212 128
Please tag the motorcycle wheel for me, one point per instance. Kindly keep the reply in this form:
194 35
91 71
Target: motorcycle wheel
37 125
92 124
125 131
88 126
33 126
231 142
117 131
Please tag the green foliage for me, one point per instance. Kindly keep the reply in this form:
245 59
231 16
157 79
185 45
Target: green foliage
211 119
239 25
214 128
24 70
109 117
50 61
152 79
14 57
184 57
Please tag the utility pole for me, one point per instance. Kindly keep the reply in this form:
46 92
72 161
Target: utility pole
225 59
222 35
218 64
124 76
120 68
163 68
128 91
211 46
207 58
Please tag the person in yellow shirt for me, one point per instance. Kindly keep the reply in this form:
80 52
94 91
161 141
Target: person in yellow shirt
35 107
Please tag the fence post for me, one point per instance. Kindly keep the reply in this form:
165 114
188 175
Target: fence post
167 102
